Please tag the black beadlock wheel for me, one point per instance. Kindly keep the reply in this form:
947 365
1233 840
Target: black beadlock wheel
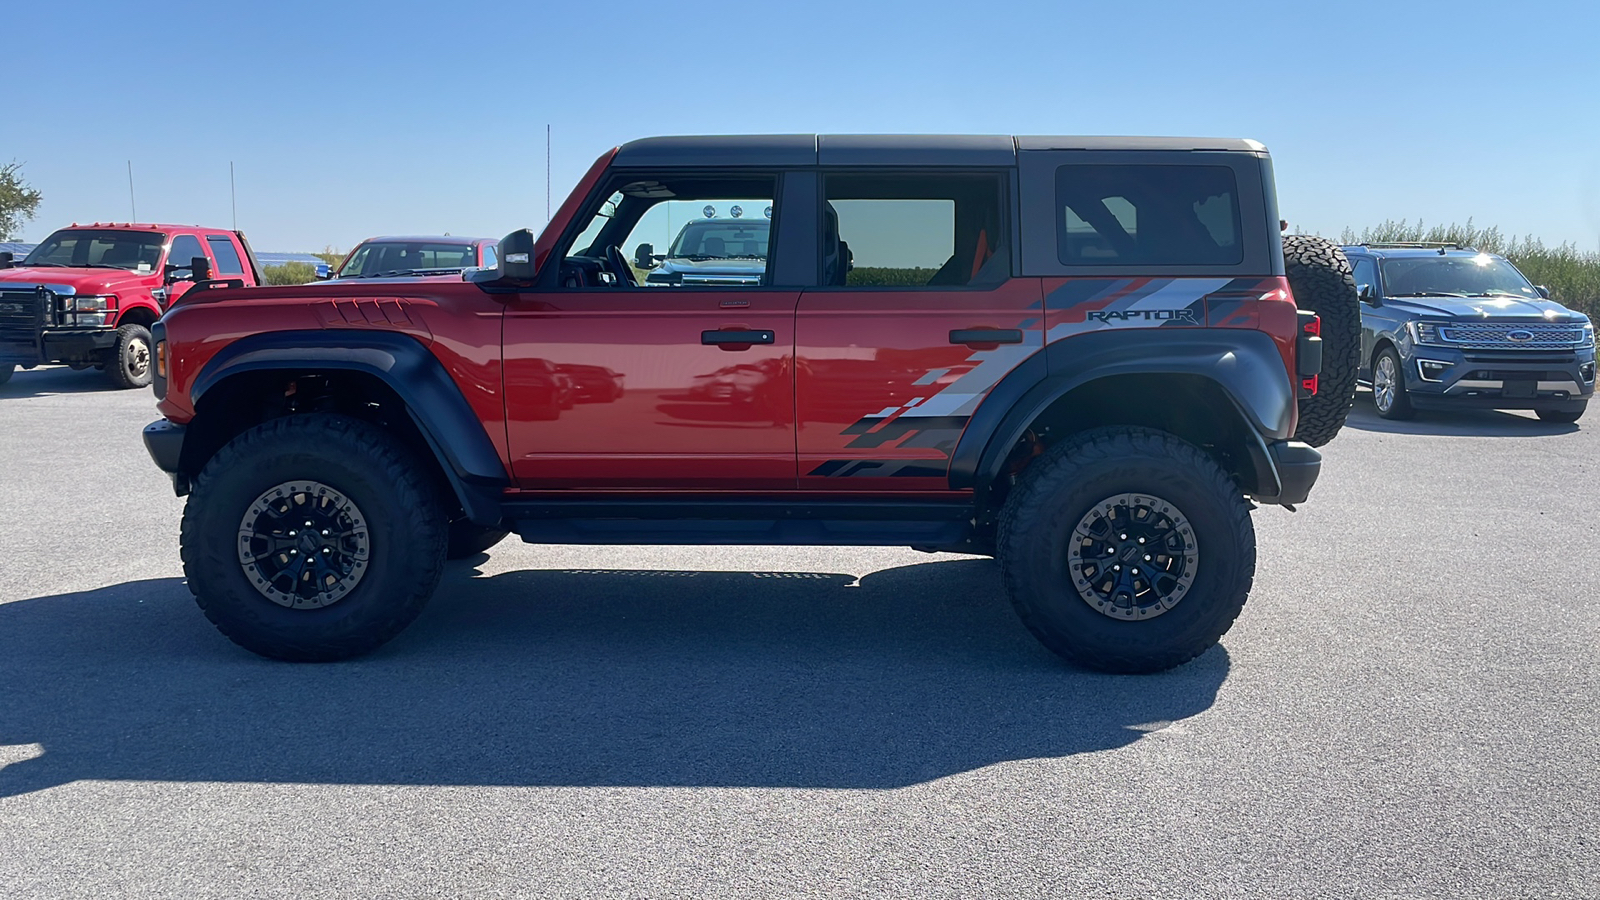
132 360
1322 282
312 538
1127 550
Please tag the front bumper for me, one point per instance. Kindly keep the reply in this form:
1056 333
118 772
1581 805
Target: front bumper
59 345
1446 377
164 440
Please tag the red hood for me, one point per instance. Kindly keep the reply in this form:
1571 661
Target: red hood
84 281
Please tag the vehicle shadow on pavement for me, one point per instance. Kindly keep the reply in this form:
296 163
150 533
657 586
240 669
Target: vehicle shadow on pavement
1454 423
576 678
50 380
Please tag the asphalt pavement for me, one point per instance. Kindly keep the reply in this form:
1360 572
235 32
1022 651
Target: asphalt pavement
1406 707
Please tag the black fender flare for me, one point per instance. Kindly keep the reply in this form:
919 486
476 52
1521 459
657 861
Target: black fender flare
1245 364
433 400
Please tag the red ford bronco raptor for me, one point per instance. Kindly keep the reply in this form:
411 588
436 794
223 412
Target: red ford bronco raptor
1083 356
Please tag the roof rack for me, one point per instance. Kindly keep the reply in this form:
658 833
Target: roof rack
1417 245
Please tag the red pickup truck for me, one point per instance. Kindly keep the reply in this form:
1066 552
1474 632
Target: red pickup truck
88 294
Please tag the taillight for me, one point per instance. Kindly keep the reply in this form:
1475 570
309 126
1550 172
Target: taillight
161 358
1312 326
1308 386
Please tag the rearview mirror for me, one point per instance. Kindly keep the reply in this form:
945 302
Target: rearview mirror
6 258
516 262
1544 292
644 257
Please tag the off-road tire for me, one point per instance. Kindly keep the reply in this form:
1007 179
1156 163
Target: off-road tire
1560 415
1322 281
1063 485
1400 408
6 371
467 539
132 362
405 525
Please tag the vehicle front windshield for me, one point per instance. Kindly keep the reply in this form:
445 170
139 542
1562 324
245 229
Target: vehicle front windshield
86 248
377 258
1454 276
722 239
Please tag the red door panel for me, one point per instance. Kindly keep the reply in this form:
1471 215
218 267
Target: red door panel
882 393
624 389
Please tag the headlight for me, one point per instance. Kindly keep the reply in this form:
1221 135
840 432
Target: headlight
92 303
1588 333
91 319
1424 332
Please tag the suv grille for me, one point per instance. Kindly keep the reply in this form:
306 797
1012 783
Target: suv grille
1513 335
21 316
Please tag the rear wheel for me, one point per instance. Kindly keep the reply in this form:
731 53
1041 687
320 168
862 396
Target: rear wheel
1323 283
1127 550
312 538
1389 386
130 363
1560 415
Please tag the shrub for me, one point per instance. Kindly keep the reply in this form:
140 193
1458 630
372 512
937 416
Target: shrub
290 273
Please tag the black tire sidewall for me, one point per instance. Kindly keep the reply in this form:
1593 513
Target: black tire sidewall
1037 552
375 608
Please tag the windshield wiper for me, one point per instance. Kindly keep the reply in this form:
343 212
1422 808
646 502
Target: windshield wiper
1429 294
1500 294
40 265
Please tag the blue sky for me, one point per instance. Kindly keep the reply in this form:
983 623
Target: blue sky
351 119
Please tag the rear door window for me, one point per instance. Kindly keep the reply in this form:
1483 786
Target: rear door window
1147 215
228 261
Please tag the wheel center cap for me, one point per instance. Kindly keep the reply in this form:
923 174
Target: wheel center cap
308 542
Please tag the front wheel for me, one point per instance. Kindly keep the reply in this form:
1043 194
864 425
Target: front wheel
1127 550
312 538
130 363
1389 395
1560 415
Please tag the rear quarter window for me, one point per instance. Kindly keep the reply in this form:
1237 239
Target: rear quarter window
1147 215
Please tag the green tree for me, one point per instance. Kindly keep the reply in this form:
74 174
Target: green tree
18 202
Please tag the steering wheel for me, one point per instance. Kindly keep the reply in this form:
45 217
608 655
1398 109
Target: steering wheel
619 264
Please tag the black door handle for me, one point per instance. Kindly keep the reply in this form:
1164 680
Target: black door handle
986 336
736 337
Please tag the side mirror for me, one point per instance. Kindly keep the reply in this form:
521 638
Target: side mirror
1367 294
644 256
6 257
516 257
1544 292
201 268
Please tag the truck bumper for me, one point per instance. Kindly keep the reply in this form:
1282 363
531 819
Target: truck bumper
67 344
16 353
1285 472
164 440
1448 378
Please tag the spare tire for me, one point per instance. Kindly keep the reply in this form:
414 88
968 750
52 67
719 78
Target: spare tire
1322 282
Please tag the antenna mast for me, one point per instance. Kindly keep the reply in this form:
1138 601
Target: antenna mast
547 173
233 195
131 207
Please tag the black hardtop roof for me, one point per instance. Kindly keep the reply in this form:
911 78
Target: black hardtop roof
886 149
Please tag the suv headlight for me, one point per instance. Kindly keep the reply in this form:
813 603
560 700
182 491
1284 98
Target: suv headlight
1424 332
1588 333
